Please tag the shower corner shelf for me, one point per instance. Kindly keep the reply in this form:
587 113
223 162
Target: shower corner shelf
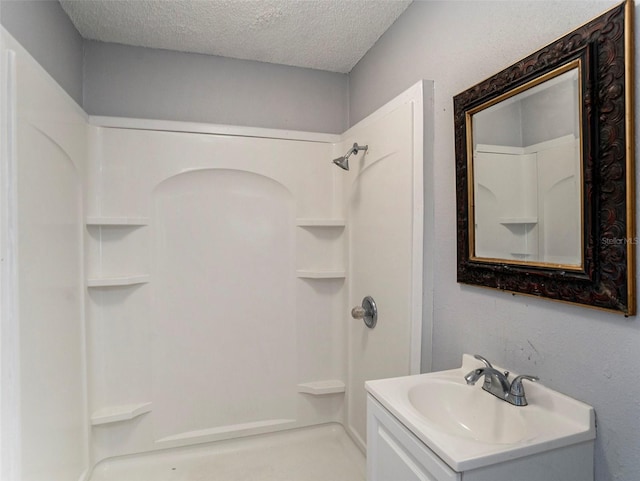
320 222
320 274
115 221
322 388
116 414
521 255
518 220
131 280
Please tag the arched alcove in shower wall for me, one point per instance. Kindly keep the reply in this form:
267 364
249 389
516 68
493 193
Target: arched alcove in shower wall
223 303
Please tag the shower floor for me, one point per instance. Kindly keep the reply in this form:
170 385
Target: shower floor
320 453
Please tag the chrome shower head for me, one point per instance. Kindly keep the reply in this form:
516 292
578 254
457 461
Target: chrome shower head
343 162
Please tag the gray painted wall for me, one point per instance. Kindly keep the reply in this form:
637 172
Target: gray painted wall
590 355
501 126
119 80
160 84
560 103
44 29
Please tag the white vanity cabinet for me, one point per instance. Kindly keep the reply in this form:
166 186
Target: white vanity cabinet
394 453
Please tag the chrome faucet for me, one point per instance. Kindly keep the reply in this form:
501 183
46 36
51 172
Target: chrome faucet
497 383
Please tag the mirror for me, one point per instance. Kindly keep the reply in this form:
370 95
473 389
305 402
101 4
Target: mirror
545 172
526 173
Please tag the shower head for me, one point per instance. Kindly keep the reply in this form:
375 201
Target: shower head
343 162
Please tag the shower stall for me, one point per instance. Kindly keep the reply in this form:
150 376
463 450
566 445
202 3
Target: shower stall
171 288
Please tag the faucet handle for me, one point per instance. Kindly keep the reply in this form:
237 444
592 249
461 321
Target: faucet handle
484 360
516 391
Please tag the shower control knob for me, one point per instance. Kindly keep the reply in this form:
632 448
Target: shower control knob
367 312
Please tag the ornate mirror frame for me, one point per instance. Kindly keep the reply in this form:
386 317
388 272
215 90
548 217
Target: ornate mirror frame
606 277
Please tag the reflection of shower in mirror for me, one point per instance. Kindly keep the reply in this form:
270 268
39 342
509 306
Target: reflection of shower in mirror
527 202
527 175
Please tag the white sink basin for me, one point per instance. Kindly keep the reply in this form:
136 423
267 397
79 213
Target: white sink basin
470 428
470 413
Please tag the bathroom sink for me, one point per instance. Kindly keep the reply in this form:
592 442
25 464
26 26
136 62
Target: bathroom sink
470 428
470 413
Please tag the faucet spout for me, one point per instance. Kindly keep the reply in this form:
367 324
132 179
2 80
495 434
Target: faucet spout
495 382
473 376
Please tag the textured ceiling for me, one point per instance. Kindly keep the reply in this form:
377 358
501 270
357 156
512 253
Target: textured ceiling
322 34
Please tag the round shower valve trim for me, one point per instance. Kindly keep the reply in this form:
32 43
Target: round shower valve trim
367 312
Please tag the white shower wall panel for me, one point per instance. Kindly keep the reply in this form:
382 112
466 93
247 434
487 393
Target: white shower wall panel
321 335
47 433
322 247
385 238
224 331
111 246
135 161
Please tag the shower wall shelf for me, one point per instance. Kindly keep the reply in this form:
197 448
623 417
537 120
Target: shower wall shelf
320 274
318 222
131 280
518 220
99 221
322 388
116 414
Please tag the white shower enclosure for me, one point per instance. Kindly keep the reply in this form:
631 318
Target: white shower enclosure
166 284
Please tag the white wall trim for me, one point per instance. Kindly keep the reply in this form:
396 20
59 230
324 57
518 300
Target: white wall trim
214 129
10 438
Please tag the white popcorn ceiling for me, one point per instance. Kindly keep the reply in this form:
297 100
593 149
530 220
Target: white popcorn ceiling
321 34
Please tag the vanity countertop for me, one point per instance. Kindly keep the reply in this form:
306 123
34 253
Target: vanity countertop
470 428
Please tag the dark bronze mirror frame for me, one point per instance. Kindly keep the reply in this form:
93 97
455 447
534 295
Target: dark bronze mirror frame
606 279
